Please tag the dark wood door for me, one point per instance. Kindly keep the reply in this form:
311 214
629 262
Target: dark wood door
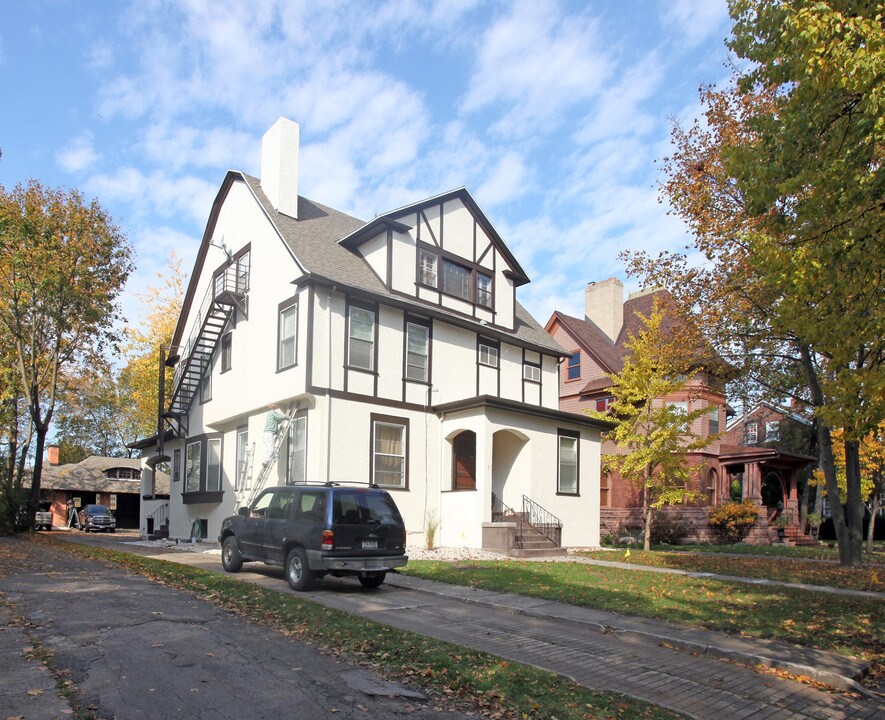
464 448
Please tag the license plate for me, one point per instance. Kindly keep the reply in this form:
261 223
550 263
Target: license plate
370 544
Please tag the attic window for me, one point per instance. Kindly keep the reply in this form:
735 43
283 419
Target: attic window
456 280
427 269
483 290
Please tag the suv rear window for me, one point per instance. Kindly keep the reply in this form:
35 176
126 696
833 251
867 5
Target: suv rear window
362 508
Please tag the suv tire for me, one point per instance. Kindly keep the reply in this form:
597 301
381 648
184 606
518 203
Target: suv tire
230 555
298 573
372 580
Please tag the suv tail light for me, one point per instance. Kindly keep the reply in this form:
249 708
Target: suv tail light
404 538
328 540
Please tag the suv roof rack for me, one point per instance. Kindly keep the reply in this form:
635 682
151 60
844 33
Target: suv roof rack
330 483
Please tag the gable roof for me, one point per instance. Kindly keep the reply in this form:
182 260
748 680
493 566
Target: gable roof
754 412
610 354
314 242
516 273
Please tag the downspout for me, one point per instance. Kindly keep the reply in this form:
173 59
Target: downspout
329 384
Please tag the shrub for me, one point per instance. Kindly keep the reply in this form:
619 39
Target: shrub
732 520
608 540
669 528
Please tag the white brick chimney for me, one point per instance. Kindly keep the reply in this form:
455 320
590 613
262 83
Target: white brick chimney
604 305
279 166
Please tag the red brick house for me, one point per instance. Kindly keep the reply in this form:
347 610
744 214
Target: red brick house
597 347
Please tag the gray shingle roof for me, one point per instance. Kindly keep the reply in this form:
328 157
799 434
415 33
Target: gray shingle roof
89 475
313 240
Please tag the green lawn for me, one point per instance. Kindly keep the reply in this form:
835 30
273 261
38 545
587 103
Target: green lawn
817 552
847 625
479 682
797 570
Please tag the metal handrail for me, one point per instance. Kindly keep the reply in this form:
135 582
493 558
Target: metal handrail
502 513
160 516
542 520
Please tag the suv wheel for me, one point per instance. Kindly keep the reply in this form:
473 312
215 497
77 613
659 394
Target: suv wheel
230 555
372 580
298 572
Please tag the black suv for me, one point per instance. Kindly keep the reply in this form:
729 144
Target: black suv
313 530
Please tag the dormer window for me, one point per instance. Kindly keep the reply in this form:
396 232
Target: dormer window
456 280
483 290
427 270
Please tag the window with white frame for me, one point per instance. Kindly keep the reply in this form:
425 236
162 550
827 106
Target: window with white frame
456 280
488 354
752 433
714 420
243 263
242 458
389 452
483 290
288 330
296 470
772 431
361 345
213 465
206 384
567 476
681 408
417 351
531 372
192 467
176 465
603 404
427 273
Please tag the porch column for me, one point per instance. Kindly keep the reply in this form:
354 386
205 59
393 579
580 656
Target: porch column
753 482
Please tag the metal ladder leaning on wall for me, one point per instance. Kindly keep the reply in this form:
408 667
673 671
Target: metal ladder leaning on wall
282 432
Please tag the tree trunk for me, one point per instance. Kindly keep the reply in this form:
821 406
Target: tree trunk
34 495
854 507
646 501
875 505
850 554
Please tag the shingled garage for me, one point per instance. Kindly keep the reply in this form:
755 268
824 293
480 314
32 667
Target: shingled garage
115 482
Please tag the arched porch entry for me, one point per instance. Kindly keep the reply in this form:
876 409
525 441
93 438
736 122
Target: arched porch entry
509 477
768 476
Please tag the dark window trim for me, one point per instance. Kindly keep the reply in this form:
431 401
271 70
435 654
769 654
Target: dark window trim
202 495
226 356
494 344
472 268
176 464
390 420
426 323
560 433
206 382
287 304
372 308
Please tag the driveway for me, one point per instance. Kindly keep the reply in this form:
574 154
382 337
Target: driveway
136 649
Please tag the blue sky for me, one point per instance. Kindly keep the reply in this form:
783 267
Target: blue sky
551 113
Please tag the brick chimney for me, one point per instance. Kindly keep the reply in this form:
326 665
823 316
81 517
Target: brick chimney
52 454
604 305
279 166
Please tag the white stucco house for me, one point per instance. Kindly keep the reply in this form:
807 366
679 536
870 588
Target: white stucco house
399 344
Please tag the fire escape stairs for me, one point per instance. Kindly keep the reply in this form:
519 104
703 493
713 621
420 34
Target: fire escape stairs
191 368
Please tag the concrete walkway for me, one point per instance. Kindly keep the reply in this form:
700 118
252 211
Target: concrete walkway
642 658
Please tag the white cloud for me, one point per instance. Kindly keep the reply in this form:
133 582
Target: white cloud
505 182
696 21
156 193
79 155
534 64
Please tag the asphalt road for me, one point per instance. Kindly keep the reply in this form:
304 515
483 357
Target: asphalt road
135 649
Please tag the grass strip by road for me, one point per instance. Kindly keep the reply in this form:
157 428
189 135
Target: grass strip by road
495 687
821 551
848 625
797 570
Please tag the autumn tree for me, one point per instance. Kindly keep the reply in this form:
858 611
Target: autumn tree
161 305
63 263
94 415
652 431
783 188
